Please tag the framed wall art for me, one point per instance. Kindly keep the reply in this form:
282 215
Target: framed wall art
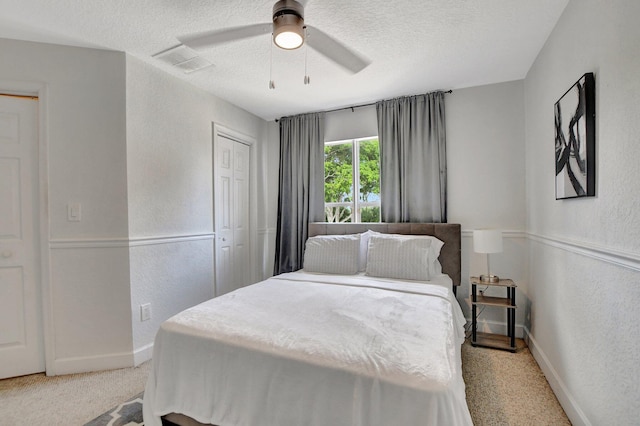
575 122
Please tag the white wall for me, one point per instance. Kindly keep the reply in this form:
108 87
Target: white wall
486 184
485 156
584 253
268 192
170 192
351 124
88 317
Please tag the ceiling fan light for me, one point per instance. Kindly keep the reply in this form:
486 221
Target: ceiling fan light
288 30
288 40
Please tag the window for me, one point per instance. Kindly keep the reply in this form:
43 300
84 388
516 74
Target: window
352 167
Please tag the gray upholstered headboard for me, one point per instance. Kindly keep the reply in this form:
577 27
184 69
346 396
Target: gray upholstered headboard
449 233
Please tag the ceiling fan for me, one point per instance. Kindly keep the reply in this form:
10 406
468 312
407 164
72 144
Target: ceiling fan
289 32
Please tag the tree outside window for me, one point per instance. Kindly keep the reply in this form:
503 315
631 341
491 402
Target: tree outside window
352 167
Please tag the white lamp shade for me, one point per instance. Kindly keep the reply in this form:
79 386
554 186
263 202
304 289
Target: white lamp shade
487 241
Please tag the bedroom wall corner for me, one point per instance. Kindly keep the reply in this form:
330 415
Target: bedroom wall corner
486 181
87 316
268 199
584 255
170 193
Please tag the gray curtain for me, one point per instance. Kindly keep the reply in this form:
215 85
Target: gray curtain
413 165
301 191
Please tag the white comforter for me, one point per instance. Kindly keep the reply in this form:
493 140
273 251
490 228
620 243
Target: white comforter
316 350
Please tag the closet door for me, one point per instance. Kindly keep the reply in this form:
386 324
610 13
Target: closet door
232 207
21 334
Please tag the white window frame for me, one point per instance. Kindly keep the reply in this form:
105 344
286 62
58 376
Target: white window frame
356 204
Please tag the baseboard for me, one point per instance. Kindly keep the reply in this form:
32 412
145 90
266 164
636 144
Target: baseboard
101 362
568 403
142 354
91 363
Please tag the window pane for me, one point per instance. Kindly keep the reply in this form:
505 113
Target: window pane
338 173
370 214
338 214
369 172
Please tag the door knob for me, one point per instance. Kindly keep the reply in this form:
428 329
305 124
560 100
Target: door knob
7 254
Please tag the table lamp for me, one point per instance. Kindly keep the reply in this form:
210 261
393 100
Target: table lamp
487 241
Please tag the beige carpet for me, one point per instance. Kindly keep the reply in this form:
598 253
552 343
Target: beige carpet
503 388
69 400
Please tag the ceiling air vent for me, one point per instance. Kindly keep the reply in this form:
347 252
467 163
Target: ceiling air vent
184 58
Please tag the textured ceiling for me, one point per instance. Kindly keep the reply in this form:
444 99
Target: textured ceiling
414 46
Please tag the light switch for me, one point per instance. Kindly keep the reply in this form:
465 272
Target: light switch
74 212
145 312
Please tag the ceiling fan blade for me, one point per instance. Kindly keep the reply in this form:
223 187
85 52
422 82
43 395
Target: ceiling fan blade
334 50
212 38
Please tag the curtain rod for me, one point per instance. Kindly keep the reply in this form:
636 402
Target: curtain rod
360 106
12 95
371 103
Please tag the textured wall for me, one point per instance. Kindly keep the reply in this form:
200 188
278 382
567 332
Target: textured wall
168 154
584 253
170 192
171 276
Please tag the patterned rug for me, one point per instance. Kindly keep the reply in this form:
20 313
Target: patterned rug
126 414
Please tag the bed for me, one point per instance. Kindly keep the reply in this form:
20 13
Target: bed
345 341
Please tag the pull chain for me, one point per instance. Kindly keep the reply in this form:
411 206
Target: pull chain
272 85
307 79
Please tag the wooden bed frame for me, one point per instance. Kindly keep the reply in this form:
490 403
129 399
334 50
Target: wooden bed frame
450 258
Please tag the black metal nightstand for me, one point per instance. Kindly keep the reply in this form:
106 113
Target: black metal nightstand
491 340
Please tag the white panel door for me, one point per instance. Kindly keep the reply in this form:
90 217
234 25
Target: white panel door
231 187
241 252
21 335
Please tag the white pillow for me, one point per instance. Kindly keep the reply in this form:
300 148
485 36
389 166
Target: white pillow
435 268
332 254
364 247
400 258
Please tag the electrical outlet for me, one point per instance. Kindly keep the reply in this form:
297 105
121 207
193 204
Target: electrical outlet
145 312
